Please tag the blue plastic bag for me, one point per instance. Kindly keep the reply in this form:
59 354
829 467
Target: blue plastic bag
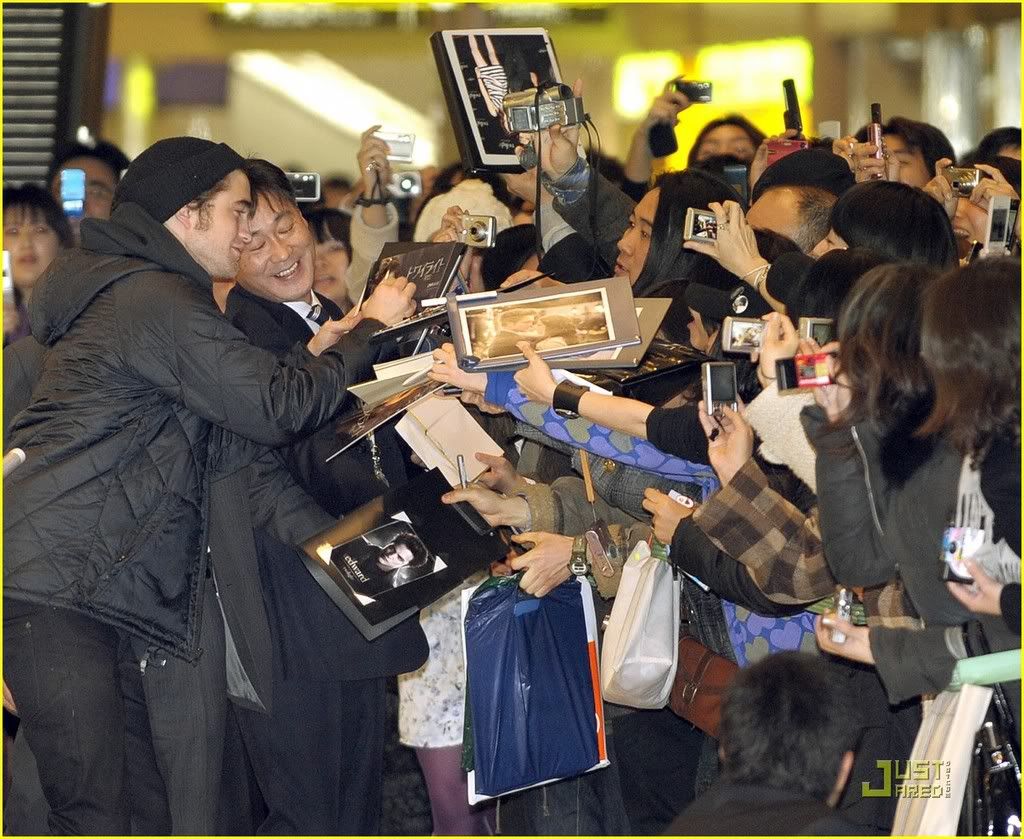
531 672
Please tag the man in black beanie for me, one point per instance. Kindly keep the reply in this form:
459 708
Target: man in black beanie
147 396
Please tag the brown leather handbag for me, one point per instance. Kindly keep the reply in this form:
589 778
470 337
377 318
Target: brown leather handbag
702 678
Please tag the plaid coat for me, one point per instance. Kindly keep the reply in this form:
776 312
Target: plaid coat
782 548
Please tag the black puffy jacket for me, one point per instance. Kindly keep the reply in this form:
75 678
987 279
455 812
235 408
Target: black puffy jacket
147 394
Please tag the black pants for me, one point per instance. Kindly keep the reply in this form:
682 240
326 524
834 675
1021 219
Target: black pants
318 756
117 751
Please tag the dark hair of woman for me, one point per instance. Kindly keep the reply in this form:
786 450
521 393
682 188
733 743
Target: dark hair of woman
678 192
512 247
970 340
896 220
995 141
329 225
39 205
879 334
753 132
822 290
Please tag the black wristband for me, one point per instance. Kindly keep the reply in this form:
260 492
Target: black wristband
566 399
372 202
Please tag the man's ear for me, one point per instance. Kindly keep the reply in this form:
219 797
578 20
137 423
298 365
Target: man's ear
184 217
845 767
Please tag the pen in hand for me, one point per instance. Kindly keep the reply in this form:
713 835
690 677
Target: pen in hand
461 463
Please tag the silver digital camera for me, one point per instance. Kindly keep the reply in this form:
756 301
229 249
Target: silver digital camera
555 105
477 231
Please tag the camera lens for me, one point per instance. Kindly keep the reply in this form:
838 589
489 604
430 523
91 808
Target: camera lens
476 233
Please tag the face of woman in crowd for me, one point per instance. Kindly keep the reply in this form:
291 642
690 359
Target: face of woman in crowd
913 169
635 243
329 270
32 243
832 242
726 139
969 222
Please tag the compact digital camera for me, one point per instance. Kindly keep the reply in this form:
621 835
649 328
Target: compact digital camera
526 110
963 179
478 231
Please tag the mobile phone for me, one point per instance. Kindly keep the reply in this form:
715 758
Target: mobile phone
700 226
478 231
875 134
844 608
8 280
963 179
830 128
958 544
719 384
742 335
406 184
400 145
693 90
803 371
998 229
737 176
679 498
792 116
821 330
306 185
778 149
601 547
72 192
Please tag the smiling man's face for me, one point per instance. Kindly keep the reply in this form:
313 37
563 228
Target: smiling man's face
278 263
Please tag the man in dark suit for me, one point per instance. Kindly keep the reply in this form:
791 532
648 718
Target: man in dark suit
318 755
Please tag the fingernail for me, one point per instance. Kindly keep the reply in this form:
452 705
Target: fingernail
827 621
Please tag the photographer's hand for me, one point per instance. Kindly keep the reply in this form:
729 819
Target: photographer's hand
983 595
760 161
779 340
735 247
941 189
994 185
375 170
391 301
856 647
732 446
834 399
546 563
559 144
664 109
451 225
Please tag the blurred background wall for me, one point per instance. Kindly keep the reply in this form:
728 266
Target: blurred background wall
298 82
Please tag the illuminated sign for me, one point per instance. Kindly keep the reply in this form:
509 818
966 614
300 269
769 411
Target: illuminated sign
640 77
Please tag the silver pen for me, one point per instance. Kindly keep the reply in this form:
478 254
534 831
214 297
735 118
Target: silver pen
460 461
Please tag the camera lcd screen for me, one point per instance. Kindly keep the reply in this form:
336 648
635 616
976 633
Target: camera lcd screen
998 233
72 192
745 336
822 333
723 383
705 227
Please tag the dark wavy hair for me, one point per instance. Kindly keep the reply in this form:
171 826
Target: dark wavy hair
879 332
896 220
752 131
420 554
970 340
678 192
823 288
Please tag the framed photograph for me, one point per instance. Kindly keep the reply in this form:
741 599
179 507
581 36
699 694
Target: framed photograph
577 320
478 67
397 554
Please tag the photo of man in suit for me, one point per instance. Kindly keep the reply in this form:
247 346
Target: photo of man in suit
384 559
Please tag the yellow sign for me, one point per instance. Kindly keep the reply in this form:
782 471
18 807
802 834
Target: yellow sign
640 77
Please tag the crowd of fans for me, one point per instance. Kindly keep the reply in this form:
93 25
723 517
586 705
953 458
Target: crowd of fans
174 361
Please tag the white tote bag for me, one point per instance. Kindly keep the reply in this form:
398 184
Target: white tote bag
946 738
641 643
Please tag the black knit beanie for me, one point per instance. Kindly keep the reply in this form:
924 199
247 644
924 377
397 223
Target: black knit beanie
810 167
173 172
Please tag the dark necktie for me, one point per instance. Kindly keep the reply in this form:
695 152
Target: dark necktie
318 315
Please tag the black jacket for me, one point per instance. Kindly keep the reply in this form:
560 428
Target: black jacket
146 395
303 620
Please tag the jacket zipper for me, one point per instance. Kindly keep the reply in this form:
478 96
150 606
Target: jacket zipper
867 480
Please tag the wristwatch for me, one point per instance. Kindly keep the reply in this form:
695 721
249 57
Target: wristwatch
566 399
578 562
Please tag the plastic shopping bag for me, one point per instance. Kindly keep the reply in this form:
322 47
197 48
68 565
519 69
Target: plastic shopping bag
533 689
641 641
